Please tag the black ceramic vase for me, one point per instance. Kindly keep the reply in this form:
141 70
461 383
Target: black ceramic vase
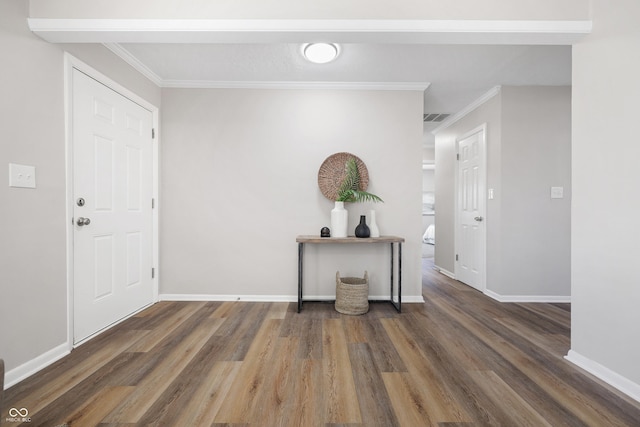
362 230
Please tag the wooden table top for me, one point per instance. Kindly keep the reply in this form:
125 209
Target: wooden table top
349 239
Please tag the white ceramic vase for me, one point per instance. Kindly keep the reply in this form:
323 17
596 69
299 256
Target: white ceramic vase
373 225
339 220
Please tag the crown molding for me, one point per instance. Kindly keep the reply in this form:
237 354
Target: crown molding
300 31
201 84
127 57
466 110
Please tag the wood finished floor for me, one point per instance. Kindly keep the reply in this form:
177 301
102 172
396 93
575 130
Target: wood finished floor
459 359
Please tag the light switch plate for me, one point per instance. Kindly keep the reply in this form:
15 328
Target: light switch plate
490 194
557 192
22 176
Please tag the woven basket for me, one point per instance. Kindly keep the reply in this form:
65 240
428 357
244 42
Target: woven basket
332 173
352 294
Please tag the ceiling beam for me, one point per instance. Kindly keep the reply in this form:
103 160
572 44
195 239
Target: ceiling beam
301 31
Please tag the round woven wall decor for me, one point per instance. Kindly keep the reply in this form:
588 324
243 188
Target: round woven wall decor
332 173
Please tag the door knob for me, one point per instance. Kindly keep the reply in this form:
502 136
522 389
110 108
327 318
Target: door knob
478 218
83 221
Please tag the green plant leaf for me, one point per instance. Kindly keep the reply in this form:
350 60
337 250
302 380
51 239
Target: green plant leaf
358 196
351 180
349 190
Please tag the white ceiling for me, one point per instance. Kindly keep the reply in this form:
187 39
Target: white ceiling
458 74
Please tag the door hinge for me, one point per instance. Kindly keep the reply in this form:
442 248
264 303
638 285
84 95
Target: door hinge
153 273
456 257
153 203
457 156
153 133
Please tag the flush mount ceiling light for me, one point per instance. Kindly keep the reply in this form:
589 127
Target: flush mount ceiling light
320 53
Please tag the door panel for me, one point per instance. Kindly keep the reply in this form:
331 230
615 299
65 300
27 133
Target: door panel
103 264
113 173
134 258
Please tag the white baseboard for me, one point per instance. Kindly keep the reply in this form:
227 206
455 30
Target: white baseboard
514 298
210 297
272 298
445 272
417 299
36 364
528 298
614 379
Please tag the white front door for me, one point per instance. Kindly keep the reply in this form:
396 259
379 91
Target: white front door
112 196
470 232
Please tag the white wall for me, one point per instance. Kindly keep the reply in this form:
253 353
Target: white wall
535 156
606 195
328 9
239 183
428 149
33 276
32 221
528 151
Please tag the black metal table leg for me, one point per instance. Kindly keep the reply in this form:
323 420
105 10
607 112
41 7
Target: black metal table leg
399 277
300 253
392 278
397 305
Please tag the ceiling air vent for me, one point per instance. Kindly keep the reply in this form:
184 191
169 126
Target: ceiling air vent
434 117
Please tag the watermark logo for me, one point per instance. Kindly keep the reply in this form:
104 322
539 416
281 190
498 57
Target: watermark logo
18 416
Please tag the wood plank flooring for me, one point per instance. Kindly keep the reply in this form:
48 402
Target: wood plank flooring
460 359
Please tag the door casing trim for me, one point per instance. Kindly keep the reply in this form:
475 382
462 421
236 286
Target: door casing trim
71 63
456 233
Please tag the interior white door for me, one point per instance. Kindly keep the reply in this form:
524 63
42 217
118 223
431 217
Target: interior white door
470 241
112 197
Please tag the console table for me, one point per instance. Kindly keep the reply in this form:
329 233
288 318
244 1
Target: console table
390 240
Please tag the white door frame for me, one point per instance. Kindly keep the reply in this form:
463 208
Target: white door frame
483 204
71 63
